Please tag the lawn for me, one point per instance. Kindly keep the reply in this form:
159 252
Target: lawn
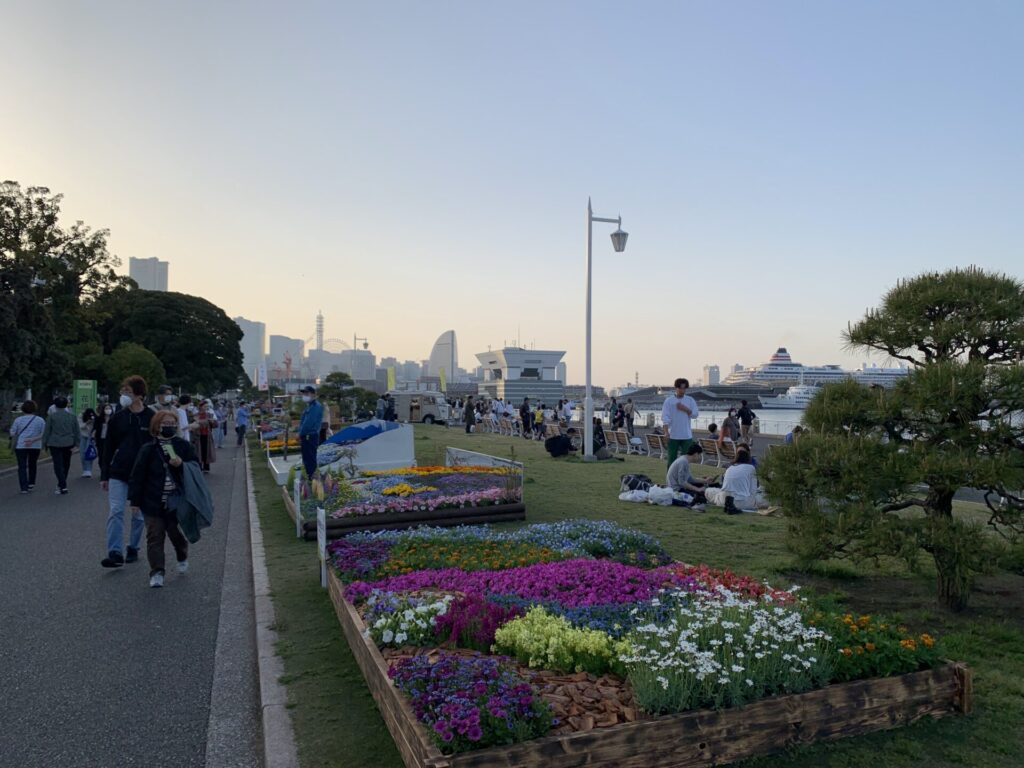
337 724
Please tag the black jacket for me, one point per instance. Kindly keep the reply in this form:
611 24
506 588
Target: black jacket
127 432
146 486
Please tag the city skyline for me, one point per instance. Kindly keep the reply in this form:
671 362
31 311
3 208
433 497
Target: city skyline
411 169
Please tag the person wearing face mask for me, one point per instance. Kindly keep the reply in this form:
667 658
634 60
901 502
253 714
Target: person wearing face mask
60 436
156 476
186 415
99 430
127 432
309 428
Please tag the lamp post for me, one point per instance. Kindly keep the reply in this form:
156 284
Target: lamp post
619 244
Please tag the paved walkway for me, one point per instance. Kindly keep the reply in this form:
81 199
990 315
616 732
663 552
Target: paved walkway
96 668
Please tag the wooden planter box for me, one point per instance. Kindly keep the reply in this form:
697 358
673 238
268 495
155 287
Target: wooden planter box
496 513
289 504
687 740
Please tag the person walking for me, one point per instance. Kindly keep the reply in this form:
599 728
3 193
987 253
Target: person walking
630 410
526 419
469 415
157 474
241 422
127 432
746 417
730 428
59 437
86 442
203 435
676 415
99 428
309 429
27 436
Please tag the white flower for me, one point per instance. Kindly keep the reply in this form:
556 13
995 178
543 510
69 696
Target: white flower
400 637
388 636
750 682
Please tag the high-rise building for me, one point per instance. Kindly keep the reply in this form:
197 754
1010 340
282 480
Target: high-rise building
736 368
445 354
286 355
513 373
254 345
149 274
560 372
712 375
360 364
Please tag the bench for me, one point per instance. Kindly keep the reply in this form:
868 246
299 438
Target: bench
656 446
724 451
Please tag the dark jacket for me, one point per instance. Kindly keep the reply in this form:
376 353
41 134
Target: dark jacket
127 432
146 486
193 506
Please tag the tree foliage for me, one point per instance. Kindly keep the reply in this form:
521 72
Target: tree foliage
878 472
339 389
51 278
197 343
133 360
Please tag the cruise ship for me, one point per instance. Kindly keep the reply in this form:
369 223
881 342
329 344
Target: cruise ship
795 398
781 369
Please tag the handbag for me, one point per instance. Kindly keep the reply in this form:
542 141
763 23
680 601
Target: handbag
90 451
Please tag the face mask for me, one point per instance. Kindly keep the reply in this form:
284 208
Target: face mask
107 411
126 400
307 399
168 431
168 399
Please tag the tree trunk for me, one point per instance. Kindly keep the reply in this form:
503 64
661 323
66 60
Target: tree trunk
952 579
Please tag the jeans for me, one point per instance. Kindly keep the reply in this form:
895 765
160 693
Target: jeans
157 527
61 464
118 499
28 458
677 448
240 431
83 446
221 431
309 445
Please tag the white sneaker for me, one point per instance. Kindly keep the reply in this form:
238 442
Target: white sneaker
156 580
87 474
183 567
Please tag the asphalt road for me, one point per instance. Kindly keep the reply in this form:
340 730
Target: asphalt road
96 668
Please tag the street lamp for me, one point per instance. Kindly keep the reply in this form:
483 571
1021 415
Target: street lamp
619 244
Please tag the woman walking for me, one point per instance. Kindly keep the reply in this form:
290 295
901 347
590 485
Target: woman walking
158 473
27 433
60 436
99 427
469 415
86 443
204 439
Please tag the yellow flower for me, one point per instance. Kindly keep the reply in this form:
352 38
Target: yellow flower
909 644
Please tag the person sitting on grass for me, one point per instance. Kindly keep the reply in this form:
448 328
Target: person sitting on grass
560 445
740 491
680 478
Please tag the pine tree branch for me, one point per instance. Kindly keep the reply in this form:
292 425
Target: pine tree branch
896 506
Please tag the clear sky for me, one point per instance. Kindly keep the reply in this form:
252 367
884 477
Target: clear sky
414 167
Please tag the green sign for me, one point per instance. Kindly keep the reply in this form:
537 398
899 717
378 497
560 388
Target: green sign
83 395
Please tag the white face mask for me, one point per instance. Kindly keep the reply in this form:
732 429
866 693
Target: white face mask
107 411
168 399
307 398
126 400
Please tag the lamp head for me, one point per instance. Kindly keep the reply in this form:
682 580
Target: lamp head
619 240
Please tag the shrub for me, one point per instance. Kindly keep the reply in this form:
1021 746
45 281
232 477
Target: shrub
540 639
870 646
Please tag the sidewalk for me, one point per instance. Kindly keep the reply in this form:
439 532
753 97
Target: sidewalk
96 668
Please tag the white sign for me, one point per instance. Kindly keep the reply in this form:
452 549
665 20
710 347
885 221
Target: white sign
321 543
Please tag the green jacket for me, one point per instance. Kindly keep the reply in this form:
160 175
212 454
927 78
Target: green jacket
61 430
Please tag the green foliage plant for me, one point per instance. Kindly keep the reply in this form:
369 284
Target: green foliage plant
545 641
877 473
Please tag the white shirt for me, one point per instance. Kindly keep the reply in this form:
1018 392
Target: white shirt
28 428
740 481
183 423
677 423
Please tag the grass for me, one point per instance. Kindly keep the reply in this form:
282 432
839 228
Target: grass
337 724
6 455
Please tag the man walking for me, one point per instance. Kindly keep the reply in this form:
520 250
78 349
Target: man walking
630 411
127 432
309 428
241 422
527 418
747 417
676 415
59 436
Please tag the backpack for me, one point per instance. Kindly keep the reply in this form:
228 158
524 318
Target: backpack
635 483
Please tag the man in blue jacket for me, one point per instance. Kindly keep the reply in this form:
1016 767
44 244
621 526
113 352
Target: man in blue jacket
309 428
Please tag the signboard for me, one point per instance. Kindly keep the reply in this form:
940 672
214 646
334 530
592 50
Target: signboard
391 379
83 395
444 381
261 378
321 543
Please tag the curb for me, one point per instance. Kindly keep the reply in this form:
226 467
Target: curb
279 750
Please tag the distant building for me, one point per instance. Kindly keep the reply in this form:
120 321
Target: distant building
712 375
445 354
577 392
254 345
149 274
410 371
285 358
560 372
513 373
736 368
360 364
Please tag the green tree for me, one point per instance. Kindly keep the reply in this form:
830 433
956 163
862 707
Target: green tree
878 472
198 345
51 279
134 360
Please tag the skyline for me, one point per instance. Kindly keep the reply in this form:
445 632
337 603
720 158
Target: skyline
410 170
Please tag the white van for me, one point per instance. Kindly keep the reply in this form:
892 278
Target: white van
426 407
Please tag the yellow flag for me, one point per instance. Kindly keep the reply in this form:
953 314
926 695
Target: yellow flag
444 382
391 378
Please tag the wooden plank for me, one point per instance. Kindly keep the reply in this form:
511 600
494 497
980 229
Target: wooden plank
686 740
419 516
337 533
289 505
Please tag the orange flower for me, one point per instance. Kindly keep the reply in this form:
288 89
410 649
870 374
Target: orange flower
846 652
927 640
869 647
909 644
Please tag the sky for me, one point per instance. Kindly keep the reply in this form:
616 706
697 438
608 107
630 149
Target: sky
410 167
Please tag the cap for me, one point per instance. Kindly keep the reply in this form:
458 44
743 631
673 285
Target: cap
308 388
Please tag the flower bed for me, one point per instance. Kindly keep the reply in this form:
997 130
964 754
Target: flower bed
598 631
412 496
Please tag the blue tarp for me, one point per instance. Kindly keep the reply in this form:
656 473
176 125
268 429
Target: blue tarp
364 430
